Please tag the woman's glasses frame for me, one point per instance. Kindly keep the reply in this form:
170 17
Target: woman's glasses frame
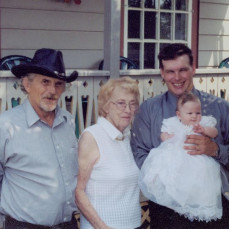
121 105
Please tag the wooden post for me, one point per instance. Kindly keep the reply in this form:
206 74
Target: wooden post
112 37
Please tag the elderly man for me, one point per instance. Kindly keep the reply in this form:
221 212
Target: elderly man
177 70
38 150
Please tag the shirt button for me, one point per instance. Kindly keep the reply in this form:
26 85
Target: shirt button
65 219
68 203
61 165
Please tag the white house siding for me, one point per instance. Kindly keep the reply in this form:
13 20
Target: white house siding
77 30
213 32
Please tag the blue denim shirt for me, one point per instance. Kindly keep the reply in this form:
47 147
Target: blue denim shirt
38 166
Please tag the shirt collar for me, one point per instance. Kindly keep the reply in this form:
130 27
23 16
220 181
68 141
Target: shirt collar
194 91
172 99
112 131
32 117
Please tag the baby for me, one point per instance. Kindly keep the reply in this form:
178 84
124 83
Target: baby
188 184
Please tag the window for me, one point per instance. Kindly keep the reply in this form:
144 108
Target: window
152 24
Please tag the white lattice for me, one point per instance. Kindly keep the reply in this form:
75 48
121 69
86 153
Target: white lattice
80 98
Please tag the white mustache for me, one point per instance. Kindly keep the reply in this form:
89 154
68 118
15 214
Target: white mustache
52 97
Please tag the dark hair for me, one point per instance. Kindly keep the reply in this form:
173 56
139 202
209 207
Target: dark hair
186 97
172 51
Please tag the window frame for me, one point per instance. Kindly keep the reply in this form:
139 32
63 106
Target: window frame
156 41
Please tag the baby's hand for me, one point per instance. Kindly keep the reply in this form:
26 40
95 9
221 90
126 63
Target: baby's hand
197 128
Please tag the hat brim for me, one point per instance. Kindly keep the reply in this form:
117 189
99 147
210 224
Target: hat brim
23 69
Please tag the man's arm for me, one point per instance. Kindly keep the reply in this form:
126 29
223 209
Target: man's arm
201 145
217 148
3 142
141 135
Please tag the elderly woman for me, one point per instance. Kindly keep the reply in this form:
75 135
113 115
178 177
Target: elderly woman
107 192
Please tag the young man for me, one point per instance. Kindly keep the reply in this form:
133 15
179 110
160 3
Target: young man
38 149
177 70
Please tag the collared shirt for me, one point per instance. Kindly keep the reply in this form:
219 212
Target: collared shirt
38 166
146 128
112 131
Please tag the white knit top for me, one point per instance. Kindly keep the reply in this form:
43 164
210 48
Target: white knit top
113 186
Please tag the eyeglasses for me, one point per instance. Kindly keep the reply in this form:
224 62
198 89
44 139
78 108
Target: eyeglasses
121 105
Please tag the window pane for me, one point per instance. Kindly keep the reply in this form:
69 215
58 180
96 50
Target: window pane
165 26
149 55
166 4
133 24
151 4
181 27
134 52
162 45
134 3
150 25
181 5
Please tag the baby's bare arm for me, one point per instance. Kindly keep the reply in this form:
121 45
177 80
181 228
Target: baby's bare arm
211 132
165 136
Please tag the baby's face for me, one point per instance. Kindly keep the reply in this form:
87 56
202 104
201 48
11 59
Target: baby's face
190 113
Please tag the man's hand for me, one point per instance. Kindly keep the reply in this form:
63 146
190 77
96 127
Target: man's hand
201 145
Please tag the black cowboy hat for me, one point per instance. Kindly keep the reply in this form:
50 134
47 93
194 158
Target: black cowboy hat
47 62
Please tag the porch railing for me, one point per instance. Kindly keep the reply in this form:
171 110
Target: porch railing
81 97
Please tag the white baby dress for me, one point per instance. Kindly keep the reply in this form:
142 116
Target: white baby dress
188 184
